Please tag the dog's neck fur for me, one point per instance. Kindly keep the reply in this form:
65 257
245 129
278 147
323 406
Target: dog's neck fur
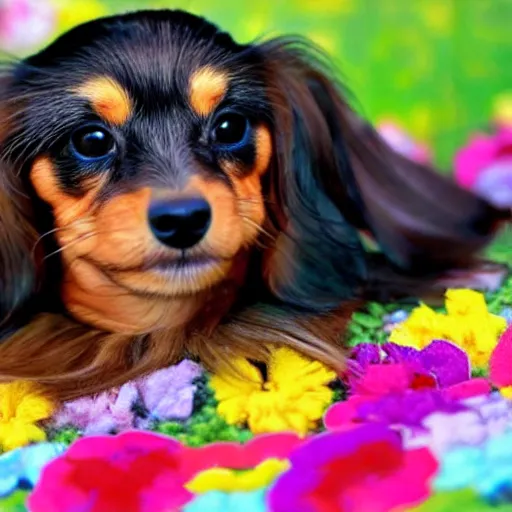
93 298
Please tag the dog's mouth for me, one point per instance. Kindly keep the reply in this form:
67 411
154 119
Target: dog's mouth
183 275
183 265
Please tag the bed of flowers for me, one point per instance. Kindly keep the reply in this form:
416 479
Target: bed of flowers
420 420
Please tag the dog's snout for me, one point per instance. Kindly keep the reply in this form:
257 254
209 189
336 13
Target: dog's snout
180 223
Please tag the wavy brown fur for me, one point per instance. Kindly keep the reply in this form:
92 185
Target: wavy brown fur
327 177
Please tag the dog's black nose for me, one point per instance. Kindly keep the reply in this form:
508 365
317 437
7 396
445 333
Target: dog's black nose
180 223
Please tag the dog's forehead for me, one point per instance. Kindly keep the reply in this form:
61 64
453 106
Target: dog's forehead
147 52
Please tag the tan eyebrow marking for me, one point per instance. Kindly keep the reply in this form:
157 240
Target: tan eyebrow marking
207 87
108 99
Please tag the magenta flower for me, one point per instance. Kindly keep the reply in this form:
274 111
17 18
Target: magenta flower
400 386
165 394
485 166
131 472
363 469
500 364
396 409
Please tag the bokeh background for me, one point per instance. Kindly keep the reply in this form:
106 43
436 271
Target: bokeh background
439 68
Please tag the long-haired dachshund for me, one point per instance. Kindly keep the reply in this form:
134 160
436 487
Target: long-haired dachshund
166 192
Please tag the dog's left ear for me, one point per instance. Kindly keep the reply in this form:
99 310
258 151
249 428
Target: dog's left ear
334 176
19 262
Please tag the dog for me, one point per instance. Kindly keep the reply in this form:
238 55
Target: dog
166 192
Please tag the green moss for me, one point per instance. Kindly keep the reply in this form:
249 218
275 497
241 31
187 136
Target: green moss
65 436
501 298
205 426
14 502
366 325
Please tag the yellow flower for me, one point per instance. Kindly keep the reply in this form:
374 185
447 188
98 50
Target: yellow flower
467 323
229 480
293 397
22 404
421 327
506 392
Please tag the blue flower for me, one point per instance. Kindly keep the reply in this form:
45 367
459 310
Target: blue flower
23 466
460 468
216 501
487 468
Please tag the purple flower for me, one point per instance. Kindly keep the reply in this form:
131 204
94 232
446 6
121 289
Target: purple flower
100 414
163 395
362 469
169 393
447 362
407 408
483 417
366 354
441 359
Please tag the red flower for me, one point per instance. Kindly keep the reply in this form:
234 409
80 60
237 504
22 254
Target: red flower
365 469
142 471
131 472
240 456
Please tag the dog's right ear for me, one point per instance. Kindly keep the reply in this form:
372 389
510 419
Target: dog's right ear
18 237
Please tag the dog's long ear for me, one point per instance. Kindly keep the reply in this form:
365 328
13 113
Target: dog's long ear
333 175
18 269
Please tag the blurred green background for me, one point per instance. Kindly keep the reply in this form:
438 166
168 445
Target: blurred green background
434 66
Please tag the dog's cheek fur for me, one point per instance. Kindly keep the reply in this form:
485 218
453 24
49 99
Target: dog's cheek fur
247 186
113 235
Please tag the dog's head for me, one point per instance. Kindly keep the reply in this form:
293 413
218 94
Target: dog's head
151 155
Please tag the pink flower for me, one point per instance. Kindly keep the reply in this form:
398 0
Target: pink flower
25 24
485 166
406 408
131 472
381 379
500 364
402 143
401 386
365 469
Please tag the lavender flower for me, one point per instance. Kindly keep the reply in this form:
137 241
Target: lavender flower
163 395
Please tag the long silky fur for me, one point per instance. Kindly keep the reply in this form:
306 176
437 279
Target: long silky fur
331 177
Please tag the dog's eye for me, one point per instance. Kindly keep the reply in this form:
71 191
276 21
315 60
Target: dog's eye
231 130
92 142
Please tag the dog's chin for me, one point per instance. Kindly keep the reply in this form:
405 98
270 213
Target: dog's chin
182 277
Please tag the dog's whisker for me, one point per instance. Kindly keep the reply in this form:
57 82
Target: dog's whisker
74 242
258 227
